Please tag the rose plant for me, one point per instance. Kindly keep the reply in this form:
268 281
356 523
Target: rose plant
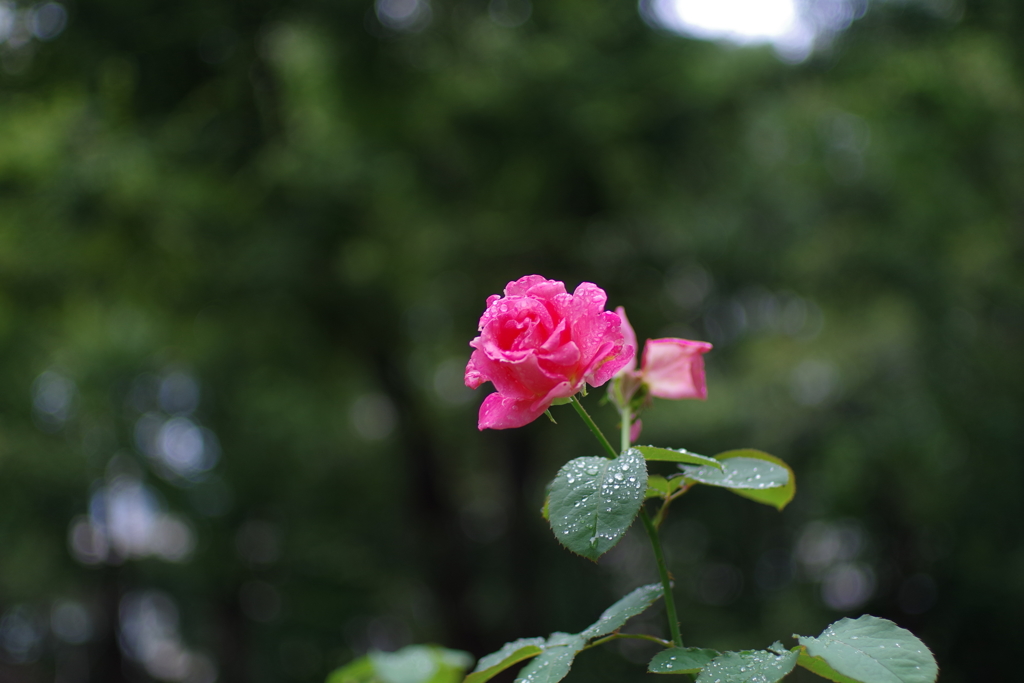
540 346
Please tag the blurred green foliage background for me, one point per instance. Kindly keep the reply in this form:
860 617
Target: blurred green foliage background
243 247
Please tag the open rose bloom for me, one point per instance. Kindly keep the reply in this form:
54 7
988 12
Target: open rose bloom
538 344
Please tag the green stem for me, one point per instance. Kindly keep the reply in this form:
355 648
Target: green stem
593 427
652 531
625 429
636 636
666 583
663 510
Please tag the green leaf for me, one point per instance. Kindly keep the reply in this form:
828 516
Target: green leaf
455 659
681 660
778 497
413 664
554 662
751 474
820 667
657 487
594 500
356 671
750 665
510 653
420 664
544 512
614 617
677 455
555 655
740 470
872 650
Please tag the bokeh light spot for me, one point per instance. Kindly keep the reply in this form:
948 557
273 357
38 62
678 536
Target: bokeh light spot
48 20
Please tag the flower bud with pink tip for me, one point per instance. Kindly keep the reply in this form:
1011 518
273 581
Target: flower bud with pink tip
670 368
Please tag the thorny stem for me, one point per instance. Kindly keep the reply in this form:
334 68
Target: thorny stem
636 636
652 531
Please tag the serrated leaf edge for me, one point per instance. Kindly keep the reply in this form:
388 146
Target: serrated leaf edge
643 498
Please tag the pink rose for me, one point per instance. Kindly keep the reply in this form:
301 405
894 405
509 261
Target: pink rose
538 344
671 368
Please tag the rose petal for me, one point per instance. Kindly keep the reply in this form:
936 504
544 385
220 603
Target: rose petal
611 356
565 353
521 380
474 377
536 286
514 324
560 390
628 338
589 331
499 412
674 368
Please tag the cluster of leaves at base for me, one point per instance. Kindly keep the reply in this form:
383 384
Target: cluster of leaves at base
862 650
